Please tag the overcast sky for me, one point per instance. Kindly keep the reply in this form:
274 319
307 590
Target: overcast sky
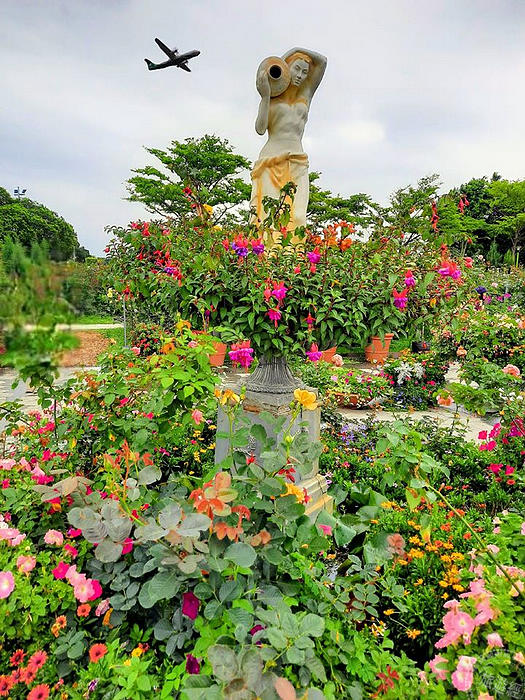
412 87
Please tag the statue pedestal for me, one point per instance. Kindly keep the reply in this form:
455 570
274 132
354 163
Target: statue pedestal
278 404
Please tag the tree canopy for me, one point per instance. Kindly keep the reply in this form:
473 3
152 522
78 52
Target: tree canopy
207 166
29 222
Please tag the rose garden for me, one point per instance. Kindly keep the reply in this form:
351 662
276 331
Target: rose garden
219 508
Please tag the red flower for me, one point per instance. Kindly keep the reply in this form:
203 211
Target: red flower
39 692
192 665
190 605
96 652
17 658
6 683
28 674
38 659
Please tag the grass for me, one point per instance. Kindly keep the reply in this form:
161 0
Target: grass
94 318
117 334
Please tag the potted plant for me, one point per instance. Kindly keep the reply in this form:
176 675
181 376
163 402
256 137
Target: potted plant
355 389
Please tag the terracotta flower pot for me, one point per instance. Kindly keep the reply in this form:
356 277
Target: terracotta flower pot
377 351
217 359
329 354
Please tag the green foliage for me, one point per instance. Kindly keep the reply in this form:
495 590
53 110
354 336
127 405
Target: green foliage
29 222
207 166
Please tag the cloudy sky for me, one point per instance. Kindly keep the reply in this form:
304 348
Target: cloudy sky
412 87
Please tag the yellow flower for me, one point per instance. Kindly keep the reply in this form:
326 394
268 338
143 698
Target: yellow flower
182 324
412 634
227 396
293 490
207 208
414 540
390 611
416 553
137 651
127 662
307 399
387 504
418 582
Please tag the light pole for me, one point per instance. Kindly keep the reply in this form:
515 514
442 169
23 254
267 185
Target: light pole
19 192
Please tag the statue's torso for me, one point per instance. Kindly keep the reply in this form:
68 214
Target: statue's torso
286 122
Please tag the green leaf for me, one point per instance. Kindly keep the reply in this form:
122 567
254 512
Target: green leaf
312 624
108 551
276 638
223 661
241 554
230 590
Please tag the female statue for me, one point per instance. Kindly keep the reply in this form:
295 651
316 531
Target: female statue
284 116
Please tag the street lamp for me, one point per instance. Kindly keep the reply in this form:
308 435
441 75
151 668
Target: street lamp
19 192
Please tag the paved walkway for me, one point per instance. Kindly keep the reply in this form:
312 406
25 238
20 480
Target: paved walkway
446 417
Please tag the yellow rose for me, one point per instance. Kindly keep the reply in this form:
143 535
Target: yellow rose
207 208
307 399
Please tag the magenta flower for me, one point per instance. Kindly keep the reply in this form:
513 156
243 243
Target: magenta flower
410 280
279 291
274 315
192 665
190 605
400 298
314 354
258 246
327 530
313 256
7 584
241 354
60 570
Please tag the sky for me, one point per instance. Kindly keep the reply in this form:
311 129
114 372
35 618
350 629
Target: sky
412 87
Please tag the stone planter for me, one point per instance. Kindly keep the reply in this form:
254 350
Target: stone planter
272 376
377 351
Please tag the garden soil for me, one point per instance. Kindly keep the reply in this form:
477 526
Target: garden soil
91 345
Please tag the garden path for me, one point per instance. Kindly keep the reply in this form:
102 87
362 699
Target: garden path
446 417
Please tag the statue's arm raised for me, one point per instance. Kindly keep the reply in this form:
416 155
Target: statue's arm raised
318 66
263 87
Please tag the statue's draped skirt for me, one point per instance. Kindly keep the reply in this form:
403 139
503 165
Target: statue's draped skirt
270 174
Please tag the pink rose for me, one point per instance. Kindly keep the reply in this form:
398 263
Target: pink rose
197 416
494 640
26 564
135 350
7 584
512 370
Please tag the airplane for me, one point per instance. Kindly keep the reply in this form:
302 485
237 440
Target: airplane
175 59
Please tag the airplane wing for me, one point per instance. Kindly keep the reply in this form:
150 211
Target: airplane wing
184 66
172 53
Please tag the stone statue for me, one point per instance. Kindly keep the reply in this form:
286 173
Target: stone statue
286 86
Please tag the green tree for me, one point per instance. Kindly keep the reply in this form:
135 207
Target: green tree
208 166
509 211
29 222
325 208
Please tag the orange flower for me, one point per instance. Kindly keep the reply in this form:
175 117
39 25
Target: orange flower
96 652
444 400
83 610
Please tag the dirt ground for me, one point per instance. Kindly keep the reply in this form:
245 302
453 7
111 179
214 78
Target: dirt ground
91 345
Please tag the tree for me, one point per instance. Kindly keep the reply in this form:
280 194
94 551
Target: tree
29 222
509 210
325 208
207 166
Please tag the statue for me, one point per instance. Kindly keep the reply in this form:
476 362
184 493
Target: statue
286 86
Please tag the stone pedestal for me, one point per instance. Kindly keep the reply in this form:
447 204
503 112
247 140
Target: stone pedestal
276 400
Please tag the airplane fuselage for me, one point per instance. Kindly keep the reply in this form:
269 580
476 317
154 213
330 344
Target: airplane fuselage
182 58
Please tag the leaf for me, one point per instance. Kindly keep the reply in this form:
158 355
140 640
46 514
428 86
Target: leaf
284 689
118 528
230 590
193 524
223 661
108 551
312 624
169 517
241 554
296 656
148 475
276 638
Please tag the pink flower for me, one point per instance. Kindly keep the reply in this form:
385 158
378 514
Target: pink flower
313 256
337 360
494 640
241 354
519 657
485 612
274 315
97 588
512 370
7 464
522 531
61 570
73 551
7 584
314 355
463 675
326 529
127 545
493 548
74 532
26 564
54 537
190 605
193 344
83 590
73 576
279 291
410 280
5 483
197 416
440 673
495 468
124 401
482 435
135 350
102 607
